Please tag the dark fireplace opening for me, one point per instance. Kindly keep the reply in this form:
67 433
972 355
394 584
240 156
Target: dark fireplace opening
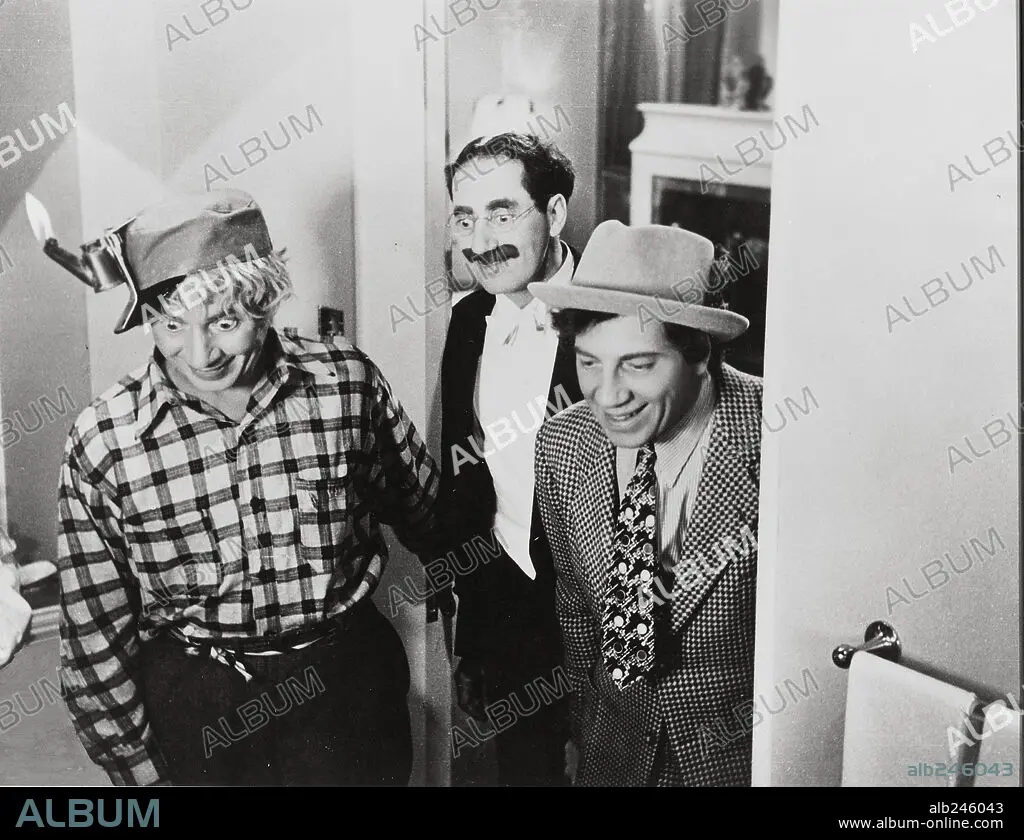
736 220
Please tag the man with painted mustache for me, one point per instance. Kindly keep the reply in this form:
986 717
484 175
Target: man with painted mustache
503 371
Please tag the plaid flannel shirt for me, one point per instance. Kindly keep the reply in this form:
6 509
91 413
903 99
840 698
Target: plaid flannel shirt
169 513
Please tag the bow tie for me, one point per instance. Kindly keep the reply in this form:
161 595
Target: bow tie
507 322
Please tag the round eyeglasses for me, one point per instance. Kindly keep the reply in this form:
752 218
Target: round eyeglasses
462 225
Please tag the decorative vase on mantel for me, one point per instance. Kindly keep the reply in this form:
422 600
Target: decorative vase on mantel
732 86
758 86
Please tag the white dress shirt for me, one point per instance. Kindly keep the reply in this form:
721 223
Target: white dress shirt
679 462
511 396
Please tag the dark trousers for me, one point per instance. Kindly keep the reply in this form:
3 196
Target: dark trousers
333 713
531 751
507 624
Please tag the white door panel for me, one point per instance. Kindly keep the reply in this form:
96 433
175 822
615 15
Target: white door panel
859 496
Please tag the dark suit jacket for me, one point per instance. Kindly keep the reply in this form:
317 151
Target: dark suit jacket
702 686
503 615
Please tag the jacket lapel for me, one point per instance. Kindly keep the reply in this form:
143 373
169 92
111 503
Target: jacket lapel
727 499
563 378
594 509
563 374
469 359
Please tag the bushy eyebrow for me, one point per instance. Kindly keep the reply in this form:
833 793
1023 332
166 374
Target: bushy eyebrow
212 319
647 354
496 204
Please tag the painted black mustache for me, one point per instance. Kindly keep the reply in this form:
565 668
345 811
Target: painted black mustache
503 253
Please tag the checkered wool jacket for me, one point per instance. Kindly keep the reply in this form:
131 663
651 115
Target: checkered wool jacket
701 688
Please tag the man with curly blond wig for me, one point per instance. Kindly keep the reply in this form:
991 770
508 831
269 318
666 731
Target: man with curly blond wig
220 512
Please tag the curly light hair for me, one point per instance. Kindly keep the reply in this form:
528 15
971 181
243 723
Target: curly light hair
255 289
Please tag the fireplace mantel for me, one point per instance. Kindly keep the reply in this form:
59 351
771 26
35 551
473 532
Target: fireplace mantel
677 139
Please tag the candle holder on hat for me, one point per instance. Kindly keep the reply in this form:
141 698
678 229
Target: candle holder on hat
102 265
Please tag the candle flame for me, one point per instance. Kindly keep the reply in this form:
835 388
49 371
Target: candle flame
38 218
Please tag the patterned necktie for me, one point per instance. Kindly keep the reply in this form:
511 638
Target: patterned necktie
628 638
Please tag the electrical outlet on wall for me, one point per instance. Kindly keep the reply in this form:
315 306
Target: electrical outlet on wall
332 321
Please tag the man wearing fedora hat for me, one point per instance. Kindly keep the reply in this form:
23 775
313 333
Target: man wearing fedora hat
655 473
219 519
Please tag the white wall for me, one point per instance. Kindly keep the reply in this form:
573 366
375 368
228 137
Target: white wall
185 103
859 494
398 159
43 342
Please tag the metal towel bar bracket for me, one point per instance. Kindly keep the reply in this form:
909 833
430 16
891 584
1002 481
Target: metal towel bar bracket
880 638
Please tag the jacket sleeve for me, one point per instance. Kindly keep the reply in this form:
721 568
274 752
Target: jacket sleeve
449 423
99 642
579 634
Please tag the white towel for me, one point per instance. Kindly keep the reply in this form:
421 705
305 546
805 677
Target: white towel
1000 748
898 726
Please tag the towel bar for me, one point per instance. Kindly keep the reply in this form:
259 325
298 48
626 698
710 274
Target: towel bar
880 639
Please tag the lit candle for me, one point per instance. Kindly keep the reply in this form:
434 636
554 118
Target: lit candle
39 218
101 265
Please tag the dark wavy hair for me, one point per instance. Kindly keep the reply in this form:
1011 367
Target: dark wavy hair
696 346
546 171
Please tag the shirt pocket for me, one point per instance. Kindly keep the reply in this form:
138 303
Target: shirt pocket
324 520
176 560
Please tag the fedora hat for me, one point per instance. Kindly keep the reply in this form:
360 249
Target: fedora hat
652 271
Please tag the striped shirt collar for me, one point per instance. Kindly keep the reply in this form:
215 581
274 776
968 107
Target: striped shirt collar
674 452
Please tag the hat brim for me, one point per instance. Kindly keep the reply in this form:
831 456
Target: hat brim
134 314
131 317
719 323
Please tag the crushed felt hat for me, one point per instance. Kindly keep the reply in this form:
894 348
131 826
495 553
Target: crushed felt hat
188 234
652 271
